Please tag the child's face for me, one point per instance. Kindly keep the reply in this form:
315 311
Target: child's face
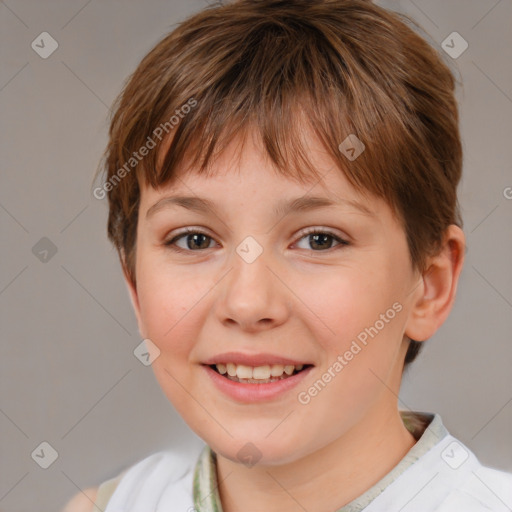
304 298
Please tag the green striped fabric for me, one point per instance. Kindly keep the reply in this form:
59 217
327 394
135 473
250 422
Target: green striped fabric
206 489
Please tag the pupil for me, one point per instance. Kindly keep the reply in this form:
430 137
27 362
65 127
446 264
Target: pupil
314 238
194 237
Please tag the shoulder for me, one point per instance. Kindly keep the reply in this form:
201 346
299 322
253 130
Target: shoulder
89 499
82 501
143 481
484 489
167 464
165 475
447 477
494 484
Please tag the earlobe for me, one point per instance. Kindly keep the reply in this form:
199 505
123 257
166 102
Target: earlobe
436 294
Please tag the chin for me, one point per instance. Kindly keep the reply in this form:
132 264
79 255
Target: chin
256 450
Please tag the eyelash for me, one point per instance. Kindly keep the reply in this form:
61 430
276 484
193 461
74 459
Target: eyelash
191 231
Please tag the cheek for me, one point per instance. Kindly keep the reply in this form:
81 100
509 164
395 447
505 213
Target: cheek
359 323
169 302
349 303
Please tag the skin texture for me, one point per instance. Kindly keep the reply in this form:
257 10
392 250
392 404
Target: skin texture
298 299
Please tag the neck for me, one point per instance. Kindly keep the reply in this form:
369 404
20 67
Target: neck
338 473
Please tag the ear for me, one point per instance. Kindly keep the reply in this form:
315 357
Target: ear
132 291
435 294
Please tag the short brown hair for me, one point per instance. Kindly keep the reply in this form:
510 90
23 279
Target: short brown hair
340 66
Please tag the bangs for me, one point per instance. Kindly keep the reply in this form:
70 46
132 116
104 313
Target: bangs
284 92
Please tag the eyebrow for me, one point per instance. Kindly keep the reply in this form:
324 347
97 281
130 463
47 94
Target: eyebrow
304 203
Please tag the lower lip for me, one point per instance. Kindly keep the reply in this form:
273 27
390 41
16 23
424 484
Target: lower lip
250 393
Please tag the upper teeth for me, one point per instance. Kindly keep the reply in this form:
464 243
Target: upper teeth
258 372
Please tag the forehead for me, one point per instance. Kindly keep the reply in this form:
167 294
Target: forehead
245 170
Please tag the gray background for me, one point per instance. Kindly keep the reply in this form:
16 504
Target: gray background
68 375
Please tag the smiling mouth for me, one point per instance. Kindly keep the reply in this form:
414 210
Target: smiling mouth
259 374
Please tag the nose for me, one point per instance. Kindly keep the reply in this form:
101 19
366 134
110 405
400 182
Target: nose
252 297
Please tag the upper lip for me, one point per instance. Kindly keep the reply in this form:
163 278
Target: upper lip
253 359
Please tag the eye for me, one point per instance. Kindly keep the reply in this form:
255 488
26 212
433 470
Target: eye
193 240
322 239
